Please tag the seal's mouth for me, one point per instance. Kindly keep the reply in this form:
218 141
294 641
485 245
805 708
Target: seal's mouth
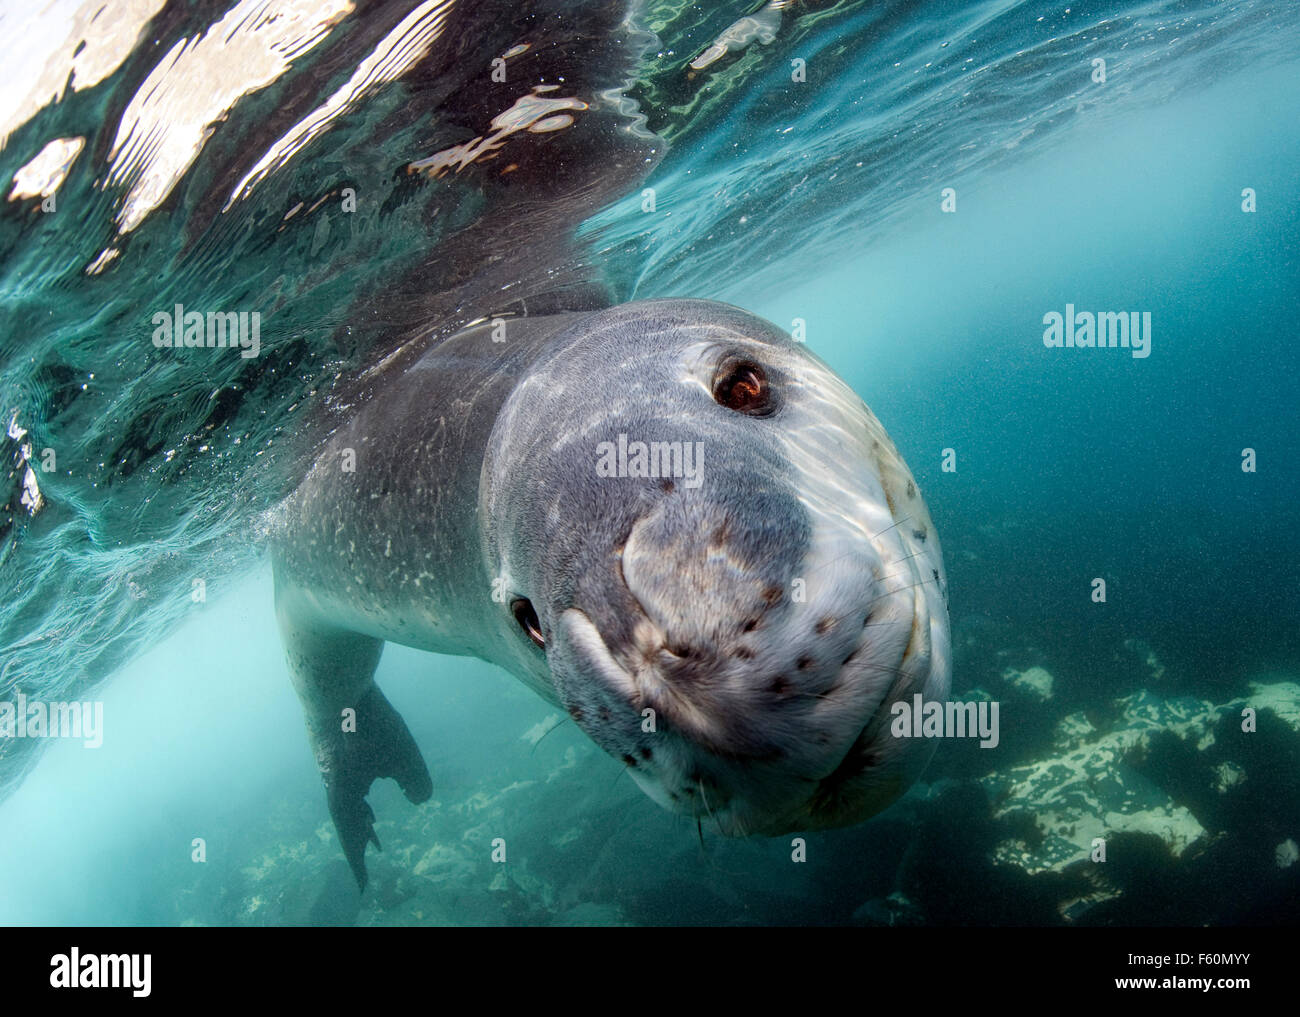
726 746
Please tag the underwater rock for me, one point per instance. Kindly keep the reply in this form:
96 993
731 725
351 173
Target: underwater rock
442 862
1230 775
1282 699
1079 797
1035 682
1147 657
1287 854
1096 784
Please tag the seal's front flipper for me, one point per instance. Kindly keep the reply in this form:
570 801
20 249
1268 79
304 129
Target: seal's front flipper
355 733
353 757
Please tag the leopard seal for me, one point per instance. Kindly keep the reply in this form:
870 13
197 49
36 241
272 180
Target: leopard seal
736 643
397 186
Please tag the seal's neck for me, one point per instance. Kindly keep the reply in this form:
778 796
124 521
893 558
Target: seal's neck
393 547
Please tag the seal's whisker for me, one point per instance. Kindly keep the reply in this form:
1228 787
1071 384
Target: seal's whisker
897 672
705 798
888 528
890 593
906 557
559 723
841 557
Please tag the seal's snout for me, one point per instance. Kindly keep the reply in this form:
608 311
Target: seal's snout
712 582
706 575
751 687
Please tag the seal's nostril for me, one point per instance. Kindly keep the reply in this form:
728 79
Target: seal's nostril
526 616
742 385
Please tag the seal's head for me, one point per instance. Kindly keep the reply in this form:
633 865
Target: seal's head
715 559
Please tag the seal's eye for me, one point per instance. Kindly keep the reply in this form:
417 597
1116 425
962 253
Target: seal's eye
741 385
522 609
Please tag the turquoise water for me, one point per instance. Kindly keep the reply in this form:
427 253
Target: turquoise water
820 201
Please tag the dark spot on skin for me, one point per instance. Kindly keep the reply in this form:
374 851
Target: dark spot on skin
744 653
849 658
935 573
629 760
576 713
911 489
772 595
604 714
668 486
825 625
866 621
920 534
646 754
751 625
779 686
805 663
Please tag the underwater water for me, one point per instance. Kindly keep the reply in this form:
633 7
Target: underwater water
1168 186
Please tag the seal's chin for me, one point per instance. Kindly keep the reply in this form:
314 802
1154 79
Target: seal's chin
726 747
